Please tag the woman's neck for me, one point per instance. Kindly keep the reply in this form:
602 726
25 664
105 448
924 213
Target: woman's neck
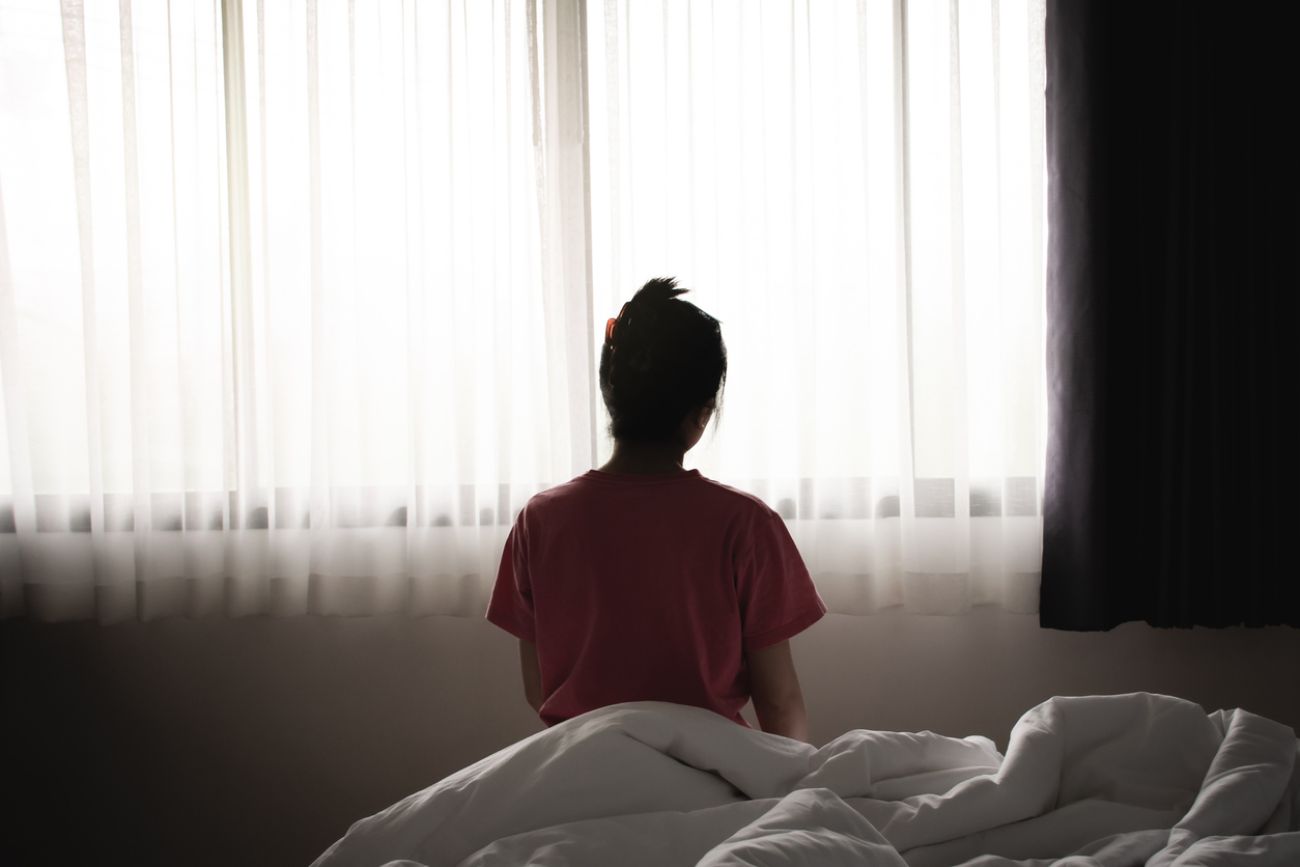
645 459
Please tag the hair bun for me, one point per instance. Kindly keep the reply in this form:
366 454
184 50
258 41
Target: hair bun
642 313
657 291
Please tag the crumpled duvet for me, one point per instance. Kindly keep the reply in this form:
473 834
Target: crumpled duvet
1096 781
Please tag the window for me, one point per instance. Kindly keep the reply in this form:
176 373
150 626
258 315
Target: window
299 302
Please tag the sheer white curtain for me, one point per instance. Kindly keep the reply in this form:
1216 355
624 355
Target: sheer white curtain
281 329
299 301
855 188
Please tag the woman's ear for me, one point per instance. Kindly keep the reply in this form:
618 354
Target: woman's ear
693 425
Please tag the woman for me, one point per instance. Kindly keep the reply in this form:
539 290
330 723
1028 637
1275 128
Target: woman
644 581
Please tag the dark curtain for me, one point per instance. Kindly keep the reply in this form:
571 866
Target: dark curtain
1173 479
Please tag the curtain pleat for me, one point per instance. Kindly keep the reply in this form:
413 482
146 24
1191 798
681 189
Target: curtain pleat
1173 467
300 301
847 186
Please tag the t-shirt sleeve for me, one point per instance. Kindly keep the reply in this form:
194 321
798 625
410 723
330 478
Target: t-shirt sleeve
511 606
777 596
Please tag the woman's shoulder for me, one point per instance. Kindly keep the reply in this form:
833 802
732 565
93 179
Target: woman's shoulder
691 490
550 497
738 499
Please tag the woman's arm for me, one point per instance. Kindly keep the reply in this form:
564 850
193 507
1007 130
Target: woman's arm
532 674
774 686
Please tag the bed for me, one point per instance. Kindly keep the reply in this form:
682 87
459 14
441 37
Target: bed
1095 781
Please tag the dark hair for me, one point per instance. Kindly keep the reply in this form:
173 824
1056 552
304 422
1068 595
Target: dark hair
665 358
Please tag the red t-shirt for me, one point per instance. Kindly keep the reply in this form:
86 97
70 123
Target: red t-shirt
649 588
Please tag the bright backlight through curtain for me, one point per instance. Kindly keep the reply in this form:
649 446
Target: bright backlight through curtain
856 190
299 301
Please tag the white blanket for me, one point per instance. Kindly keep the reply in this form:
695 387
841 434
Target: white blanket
1100 781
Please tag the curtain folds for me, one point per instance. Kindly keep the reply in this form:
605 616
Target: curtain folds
299 301
1173 308
856 190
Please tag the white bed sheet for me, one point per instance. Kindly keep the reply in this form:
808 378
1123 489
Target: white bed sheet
1096 781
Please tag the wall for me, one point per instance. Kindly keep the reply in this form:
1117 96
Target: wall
258 741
